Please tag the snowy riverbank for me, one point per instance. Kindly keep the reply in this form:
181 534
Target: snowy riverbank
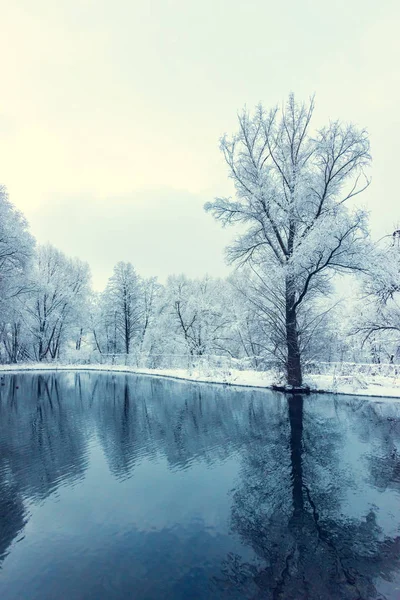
378 386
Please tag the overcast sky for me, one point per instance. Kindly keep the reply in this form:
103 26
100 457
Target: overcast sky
111 112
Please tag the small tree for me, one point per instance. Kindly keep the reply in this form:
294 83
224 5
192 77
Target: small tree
292 191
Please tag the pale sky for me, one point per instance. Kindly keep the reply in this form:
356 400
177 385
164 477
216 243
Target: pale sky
111 111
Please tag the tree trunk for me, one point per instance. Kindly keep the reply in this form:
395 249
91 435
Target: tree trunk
127 341
79 340
41 354
293 364
296 451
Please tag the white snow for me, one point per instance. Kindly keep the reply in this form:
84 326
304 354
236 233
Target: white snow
375 387
242 378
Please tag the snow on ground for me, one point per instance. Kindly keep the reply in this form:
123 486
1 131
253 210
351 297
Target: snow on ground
242 378
356 386
378 386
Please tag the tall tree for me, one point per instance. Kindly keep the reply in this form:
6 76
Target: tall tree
123 302
292 190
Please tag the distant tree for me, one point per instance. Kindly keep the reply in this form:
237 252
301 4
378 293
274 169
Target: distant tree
96 322
15 336
55 307
150 291
16 250
122 307
378 313
199 318
292 191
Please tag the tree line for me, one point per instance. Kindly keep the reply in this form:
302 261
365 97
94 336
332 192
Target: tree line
299 231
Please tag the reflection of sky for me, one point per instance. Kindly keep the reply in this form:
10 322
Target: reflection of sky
101 517
155 497
358 496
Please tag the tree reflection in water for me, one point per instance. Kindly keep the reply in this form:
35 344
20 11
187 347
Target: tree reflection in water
305 545
42 444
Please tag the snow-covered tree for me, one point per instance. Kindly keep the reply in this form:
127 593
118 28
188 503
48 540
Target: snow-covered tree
197 314
150 293
122 308
15 337
378 312
292 195
55 308
261 327
96 322
16 249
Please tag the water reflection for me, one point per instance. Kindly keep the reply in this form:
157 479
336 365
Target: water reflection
148 488
306 546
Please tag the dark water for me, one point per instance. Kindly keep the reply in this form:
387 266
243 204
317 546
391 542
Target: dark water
115 486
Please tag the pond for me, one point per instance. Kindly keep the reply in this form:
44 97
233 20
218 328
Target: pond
123 486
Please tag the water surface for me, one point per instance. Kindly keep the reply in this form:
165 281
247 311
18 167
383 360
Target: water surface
120 486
